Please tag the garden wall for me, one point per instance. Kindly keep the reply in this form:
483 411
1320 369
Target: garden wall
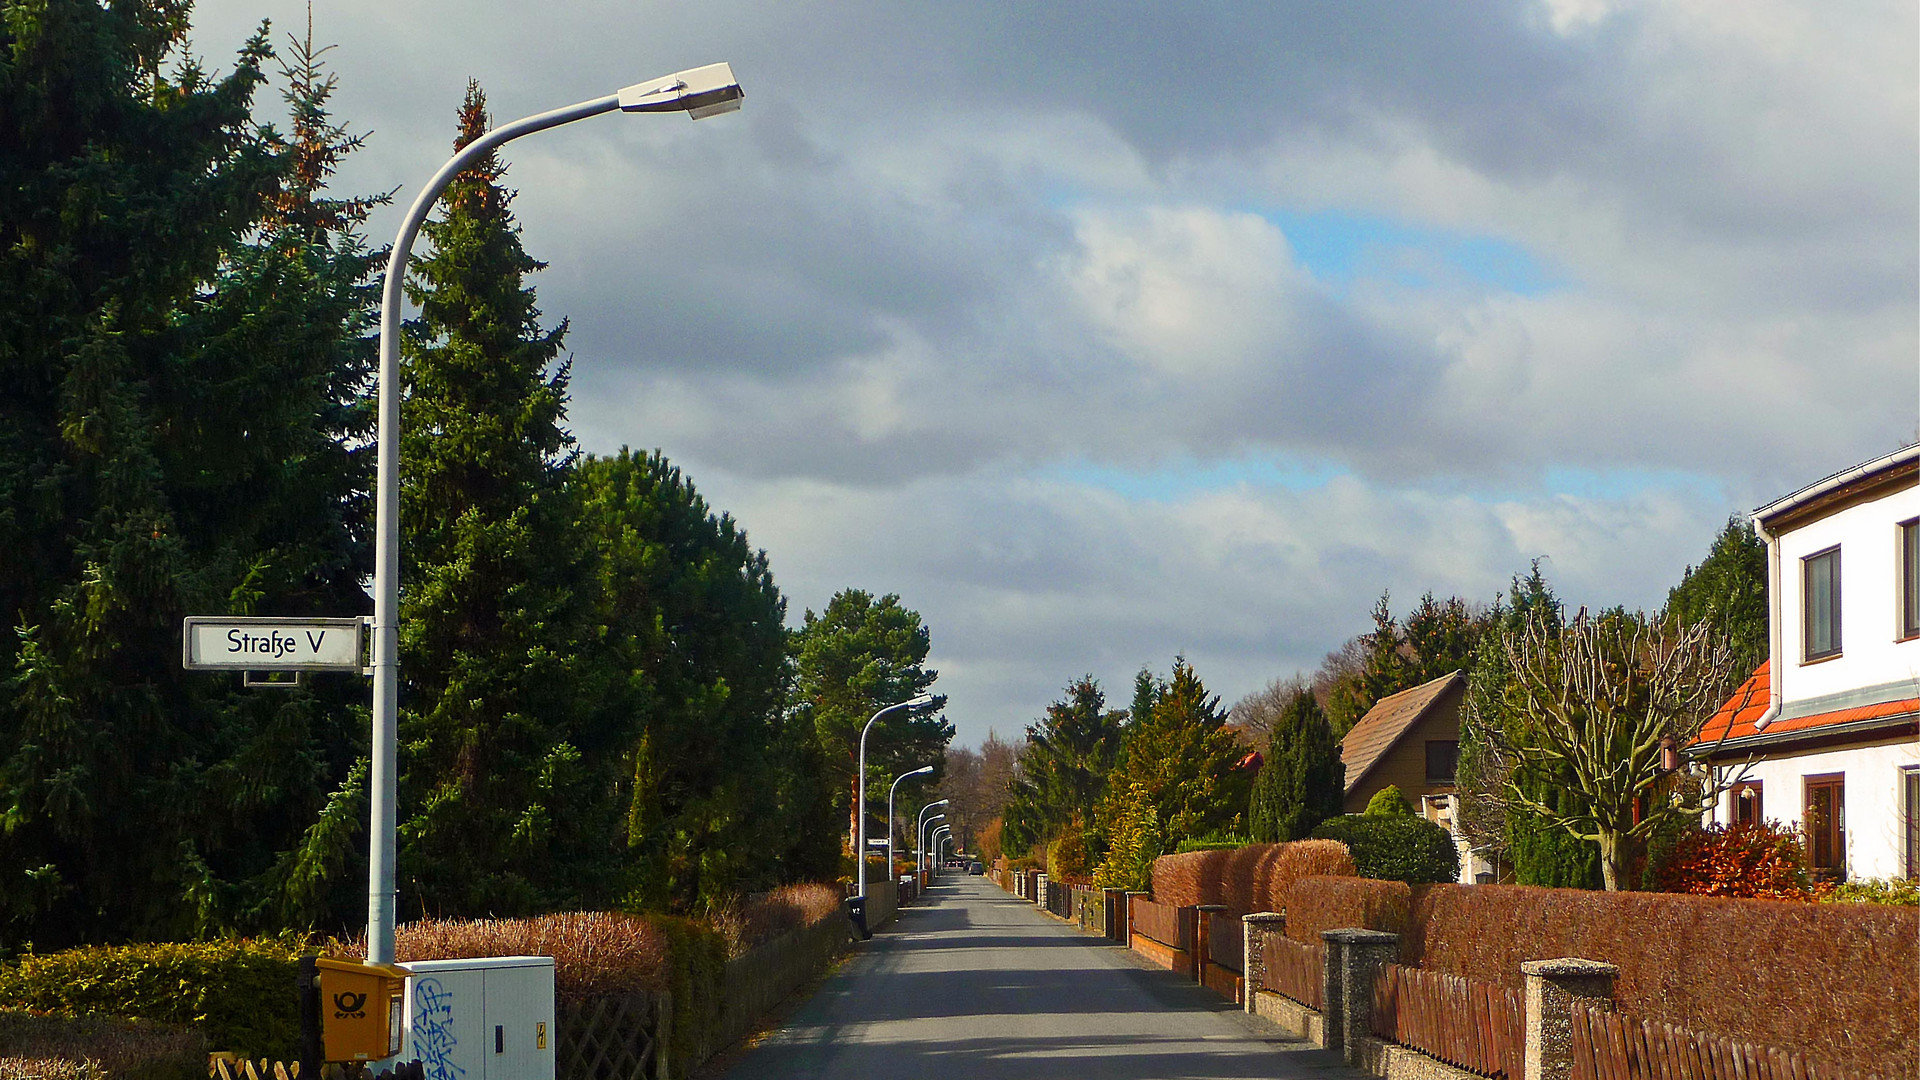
1246 880
1839 980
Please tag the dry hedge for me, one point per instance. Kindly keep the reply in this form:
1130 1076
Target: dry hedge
49 1047
762 917
1315 904
594 952
1839 980
1249 879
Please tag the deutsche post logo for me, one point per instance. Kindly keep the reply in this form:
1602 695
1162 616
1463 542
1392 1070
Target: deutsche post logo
349 1004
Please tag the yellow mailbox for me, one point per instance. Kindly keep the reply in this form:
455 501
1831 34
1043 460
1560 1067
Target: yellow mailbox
360 1009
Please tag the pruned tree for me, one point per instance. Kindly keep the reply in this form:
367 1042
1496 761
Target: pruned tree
1607 702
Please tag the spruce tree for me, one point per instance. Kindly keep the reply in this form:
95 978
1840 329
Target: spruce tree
503 810
1729 590
1065 763
1302 782
1185 760
147 472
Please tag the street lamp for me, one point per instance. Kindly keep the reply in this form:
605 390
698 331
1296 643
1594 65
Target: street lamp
944 832
699 92
921 771
860 814
920 832
920 840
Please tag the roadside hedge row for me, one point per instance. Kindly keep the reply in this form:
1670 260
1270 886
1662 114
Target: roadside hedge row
46 1047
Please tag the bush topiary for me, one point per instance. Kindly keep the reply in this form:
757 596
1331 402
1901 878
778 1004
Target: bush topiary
1409 849
1388 802
238 994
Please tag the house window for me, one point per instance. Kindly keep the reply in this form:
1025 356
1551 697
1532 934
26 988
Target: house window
1826 824
1910 825
1910 579
1822 604
1443 755
1747 808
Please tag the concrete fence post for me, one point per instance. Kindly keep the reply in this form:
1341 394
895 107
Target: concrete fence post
1253 939
1354 957
1552 988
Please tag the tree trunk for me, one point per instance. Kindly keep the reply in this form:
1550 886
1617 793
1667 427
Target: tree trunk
1616 861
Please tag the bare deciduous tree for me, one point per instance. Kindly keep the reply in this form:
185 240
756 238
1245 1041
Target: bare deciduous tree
1609 701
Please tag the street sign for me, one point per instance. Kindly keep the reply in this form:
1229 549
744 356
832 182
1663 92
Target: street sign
251 643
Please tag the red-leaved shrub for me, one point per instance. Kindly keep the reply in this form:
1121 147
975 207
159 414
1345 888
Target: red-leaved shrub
1249 879
1840 981
1755 861
1316 904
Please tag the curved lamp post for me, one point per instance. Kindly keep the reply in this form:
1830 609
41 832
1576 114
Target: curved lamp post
699 92
860 814
943 834
921 771
920 832
920 839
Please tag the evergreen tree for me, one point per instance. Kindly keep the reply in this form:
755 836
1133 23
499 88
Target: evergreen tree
1728 590
504 808
167 447
1303 781
1437 639
851 660
1185 760
1065 763
695 628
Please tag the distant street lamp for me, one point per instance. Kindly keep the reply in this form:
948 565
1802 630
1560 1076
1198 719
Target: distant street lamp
921 771
699 92
860 814
920 841
944 832
920 832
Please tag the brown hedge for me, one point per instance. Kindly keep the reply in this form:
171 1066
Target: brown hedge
1249 879
594 952
50 1047
1841 981
1315 904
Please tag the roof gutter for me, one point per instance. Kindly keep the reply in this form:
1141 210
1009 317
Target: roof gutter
1837 480
1775 675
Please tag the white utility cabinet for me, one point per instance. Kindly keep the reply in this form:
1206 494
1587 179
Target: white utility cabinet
484 1019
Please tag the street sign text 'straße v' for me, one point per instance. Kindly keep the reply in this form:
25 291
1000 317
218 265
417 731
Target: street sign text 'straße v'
255 643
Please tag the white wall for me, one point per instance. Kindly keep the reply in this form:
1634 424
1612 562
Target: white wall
1869 594
1873 813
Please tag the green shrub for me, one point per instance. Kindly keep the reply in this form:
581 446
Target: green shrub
237 994
1212 842
47 1047
1409 849
696 976
1388 802
1904 892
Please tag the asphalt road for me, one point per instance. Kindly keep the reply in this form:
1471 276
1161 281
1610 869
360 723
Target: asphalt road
971 983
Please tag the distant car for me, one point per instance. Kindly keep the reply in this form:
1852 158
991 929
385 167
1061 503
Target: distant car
976 868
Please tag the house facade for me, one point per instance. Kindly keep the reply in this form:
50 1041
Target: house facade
1826 730
1411 740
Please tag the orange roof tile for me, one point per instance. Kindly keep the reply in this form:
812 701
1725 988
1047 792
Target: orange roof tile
1735 719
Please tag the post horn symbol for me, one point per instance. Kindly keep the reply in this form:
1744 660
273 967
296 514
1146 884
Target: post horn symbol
349 1002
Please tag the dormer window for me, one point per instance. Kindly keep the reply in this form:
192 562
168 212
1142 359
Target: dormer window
1821 622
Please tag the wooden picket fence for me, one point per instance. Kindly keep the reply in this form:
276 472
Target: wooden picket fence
1618 1046
228 1068
1159 922
1226 941
1477 1026
1294 969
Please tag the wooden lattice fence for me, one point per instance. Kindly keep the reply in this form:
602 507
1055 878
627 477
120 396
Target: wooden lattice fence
617 1037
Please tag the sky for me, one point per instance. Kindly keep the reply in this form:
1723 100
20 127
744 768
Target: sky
1106 332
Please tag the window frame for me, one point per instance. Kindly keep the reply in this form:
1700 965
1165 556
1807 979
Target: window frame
1910 811
1807 653
1452 777
1836 830
1907 563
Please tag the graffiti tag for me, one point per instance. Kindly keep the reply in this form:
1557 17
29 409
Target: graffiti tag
433 1041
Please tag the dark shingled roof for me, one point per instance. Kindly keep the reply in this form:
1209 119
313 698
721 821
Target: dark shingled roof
1389 719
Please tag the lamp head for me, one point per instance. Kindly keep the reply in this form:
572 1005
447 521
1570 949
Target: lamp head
938 802
699 92
920 702
921 771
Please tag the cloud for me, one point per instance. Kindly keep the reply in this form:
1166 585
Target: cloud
1350 291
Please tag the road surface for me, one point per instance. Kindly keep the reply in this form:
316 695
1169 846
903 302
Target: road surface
972 983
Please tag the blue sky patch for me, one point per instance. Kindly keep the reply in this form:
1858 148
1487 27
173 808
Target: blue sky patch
1341 247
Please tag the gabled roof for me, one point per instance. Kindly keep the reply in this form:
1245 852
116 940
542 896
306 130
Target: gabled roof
1867 480
1389 719
1736 718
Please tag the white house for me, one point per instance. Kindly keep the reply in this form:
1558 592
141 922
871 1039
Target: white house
1833 715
